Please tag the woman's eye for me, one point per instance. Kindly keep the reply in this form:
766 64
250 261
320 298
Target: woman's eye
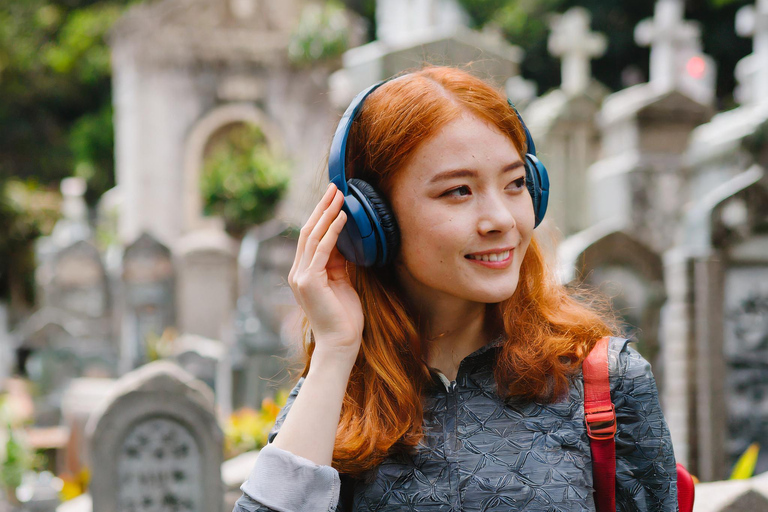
519 184
453 192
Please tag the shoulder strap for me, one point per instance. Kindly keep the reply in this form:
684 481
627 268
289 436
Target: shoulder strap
600 417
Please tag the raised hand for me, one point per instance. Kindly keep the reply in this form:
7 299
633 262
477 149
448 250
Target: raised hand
320 282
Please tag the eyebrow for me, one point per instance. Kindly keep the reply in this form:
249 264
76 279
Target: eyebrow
468 173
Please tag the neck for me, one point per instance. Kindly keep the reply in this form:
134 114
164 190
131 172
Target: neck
451 332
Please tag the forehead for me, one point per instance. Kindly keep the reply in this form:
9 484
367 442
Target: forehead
467 142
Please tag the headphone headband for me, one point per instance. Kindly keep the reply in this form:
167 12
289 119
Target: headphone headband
338 155
370 236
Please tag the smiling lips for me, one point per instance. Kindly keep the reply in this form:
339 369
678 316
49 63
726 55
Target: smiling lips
500 259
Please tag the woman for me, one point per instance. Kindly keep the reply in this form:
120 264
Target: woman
448 379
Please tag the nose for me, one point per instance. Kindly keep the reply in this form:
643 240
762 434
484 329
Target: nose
494 215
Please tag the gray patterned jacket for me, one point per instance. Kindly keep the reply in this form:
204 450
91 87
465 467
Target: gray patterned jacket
482 454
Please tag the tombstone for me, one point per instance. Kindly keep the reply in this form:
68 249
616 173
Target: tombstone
752 70
402 21
412 32
79 282
726 160
206 287
156 445
677 60
562 122
199 356
715 278
609 259
265 312
148 298
645 131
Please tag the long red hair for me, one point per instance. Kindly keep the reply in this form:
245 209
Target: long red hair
547 331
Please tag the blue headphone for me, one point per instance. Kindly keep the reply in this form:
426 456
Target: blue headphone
371 236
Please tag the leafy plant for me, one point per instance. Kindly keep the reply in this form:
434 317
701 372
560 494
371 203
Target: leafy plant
322 33
242 179
745 466
15 456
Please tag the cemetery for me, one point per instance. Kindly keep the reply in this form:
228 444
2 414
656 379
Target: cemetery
151 368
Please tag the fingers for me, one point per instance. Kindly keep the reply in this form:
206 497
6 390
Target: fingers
325 201
320 229
328 243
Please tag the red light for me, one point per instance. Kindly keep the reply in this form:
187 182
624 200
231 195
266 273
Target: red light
696 67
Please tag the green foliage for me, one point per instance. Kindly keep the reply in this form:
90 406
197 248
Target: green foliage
91 141
15 456
320 35
55 77
26 212
242 180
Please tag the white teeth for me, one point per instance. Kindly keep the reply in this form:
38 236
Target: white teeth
491 257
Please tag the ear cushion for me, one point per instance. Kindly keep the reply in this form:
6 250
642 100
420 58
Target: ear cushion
384 216
534 187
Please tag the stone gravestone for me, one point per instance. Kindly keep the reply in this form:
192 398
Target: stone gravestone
562 122
156 445
199 356
206 288
677 61
752 70
745 346
80 282
268 306
148 298
645 131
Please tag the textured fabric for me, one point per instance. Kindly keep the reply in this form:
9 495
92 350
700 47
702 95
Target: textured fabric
482 454
318 492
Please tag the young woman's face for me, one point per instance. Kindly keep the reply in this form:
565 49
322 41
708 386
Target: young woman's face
462 195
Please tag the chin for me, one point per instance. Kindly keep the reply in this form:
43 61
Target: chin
493 296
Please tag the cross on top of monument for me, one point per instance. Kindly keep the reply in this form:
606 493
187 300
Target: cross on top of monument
572 41
668 35
402 21
752 21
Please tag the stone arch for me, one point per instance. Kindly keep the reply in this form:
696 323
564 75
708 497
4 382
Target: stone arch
607 257
195 145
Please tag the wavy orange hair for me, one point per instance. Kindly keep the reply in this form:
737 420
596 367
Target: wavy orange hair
547 330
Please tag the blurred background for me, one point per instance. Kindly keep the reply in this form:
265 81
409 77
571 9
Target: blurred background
157 158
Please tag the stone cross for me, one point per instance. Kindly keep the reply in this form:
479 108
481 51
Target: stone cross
572 41
405 21
752 21
668 35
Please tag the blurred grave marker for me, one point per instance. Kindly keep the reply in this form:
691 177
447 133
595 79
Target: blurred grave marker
148 296
572 41
156 445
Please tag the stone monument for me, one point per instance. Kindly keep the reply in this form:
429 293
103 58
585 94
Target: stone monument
412 33
562 122
148 298
156 444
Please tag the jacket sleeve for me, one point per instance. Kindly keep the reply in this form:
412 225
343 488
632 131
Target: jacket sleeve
646 476
283 482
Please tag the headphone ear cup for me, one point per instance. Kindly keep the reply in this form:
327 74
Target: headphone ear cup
384 220
537 181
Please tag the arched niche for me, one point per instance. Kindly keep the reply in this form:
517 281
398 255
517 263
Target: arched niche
608 258
203 132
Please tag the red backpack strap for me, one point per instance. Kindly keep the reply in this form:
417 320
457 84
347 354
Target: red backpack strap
685 489
600 417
